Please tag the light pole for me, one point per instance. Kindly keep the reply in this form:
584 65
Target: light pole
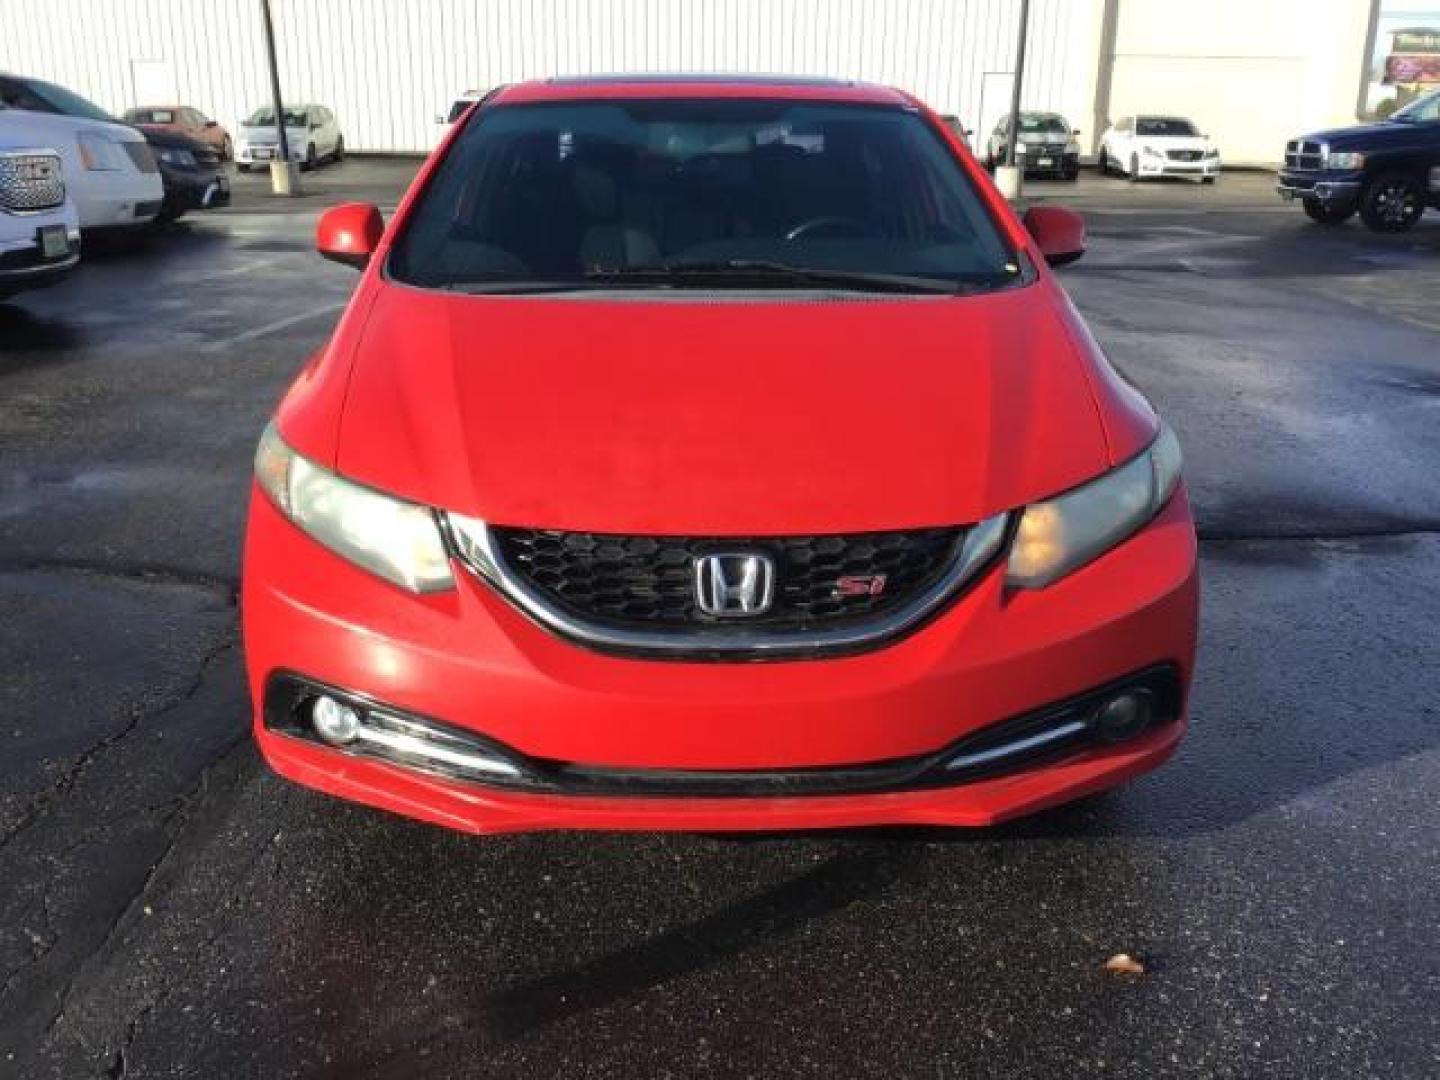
1009 177
284 177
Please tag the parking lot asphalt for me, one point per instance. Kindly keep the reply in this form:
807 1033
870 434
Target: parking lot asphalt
168 908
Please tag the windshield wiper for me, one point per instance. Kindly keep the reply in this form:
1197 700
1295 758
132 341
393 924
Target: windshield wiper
762 270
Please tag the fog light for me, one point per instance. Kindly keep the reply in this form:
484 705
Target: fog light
1123 716
334 722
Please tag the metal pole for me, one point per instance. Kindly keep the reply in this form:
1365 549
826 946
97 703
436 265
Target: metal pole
275 83
1010 137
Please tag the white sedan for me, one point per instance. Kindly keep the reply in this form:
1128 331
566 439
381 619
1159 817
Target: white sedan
1147 146
312 135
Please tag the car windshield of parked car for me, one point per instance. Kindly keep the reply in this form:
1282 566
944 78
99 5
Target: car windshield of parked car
694 193
66 102
1165 127
265 117
150 116
1421 110
1042 125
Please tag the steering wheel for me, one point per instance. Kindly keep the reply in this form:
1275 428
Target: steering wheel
849 227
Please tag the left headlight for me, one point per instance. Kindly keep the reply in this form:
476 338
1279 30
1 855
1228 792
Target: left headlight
1062 534
400 541
1344 160
99 154
1150 151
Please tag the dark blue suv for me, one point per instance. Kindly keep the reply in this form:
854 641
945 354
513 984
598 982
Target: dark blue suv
1389 171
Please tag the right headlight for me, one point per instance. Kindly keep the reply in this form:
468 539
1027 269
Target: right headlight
398 540
1062 534
175 156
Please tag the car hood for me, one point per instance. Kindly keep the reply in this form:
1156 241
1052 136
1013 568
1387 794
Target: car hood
168 137
1372 136
725 417
272 134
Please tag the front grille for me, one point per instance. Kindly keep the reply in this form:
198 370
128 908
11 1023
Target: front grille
1184 155
649 581
142 156
1304 154
30 181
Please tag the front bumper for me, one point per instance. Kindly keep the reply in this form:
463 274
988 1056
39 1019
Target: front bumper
1328 186
1150 166
1050 164
263 155
469 659
24 267
193 189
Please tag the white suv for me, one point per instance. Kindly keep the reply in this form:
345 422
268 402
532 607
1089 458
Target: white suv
110 169
39 225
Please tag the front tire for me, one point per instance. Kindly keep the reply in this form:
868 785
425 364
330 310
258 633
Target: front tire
310 159
339 154
1103 162
242 167
1392 203
1328 213
1134 175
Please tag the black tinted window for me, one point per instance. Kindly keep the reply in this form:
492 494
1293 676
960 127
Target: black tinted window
554 192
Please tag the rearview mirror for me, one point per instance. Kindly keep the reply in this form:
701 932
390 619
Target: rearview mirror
349 233
1059 233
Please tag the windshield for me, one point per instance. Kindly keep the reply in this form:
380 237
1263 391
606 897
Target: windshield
1420 110
265 117
1164 126
150 116
1031 124
584 192
66 102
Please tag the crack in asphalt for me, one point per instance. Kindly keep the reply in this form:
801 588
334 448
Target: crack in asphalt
143 572
176 820
1307 536
227 640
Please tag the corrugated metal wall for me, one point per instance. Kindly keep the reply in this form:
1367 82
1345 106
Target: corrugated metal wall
388 66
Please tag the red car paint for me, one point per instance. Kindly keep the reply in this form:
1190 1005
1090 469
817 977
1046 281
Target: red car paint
567 415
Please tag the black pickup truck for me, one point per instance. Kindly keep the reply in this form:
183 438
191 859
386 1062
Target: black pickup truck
1389 172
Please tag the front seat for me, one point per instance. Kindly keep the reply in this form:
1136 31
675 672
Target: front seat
607 241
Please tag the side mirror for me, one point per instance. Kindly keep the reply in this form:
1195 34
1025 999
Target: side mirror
969 133
1076 133
1059 233
349 233
211 124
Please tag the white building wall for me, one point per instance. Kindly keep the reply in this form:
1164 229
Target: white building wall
1251 73
388 66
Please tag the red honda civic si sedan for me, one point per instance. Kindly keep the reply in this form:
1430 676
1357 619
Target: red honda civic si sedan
713 453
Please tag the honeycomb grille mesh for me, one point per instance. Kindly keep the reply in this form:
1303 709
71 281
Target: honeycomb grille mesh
649 581
30 182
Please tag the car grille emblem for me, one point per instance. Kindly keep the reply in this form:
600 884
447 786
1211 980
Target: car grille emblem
734 583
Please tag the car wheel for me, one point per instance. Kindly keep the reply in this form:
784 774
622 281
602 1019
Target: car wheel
310 158
1392 202
1207 179
227 150
1071 175
339 154
1134 175
242 167
1323 213
1103 162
